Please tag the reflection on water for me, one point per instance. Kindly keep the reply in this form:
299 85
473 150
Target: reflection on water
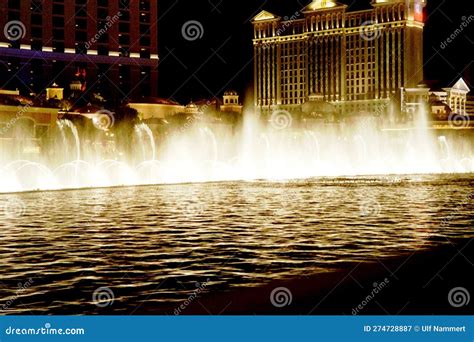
156 244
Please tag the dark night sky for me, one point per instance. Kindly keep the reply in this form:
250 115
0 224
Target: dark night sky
221 59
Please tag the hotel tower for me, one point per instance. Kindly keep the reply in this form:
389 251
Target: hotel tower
111 45
354 60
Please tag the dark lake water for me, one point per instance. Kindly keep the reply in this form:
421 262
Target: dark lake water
157 244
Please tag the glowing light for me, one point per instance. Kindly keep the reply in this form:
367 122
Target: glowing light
321 4
264 15
201 153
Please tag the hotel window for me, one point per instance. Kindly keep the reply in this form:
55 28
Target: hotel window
58 46
104 39
124 73
144 6
81 11
102 71
124 39
124 27
144 29
125 15
13 15
145 53
36 19
81 24
36 6
145 41
58 9
36 45
58 69
144 17
102 31
58 22
36 32
81 36
145 81
102 13
124 4
103 50
14 4
81 48
58 34
37 69
124 52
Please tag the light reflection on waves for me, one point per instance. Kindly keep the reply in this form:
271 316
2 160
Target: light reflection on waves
153 244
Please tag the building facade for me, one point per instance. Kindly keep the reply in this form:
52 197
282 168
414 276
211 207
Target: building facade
231 103
470 105
158 108
110 44
355 60
440 102
24 125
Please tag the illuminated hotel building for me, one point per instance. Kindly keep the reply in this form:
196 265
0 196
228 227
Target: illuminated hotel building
111 44
355 60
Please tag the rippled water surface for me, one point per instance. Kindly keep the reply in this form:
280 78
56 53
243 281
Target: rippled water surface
155 244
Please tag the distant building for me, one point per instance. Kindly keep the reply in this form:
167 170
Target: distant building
54 92
440 102
112 43
231 103
470 105
192 109
456 96
354 60
25 124
157 108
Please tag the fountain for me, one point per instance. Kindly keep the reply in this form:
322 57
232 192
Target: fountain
65 125
204 152
144 133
